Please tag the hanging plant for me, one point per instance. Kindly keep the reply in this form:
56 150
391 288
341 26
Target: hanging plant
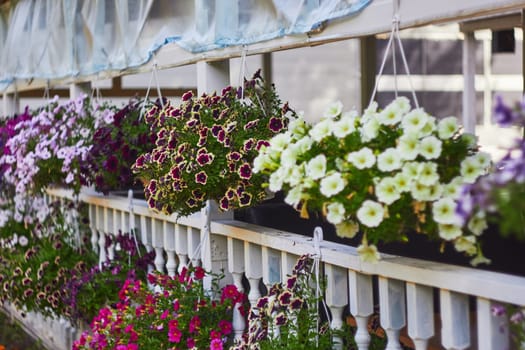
205 148
115 148
383 173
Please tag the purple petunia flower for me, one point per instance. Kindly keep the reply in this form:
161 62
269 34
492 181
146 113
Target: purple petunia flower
248 145
261 143
224 203
204 159
187 96
296 304
201 178
215 130
503 115
111 164
280 319
245 171
275 124
175 173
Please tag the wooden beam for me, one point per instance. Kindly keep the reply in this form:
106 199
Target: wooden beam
108 93
368 54
507 21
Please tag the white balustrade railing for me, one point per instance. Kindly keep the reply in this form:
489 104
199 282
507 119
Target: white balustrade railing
404 291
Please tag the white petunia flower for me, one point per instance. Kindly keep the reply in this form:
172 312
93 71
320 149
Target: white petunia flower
411 170
297 127
449 232
479 259
402 182
428 174
316 167
453 188
335 213
430 147
276 180
368 253
466 244
403 104
280 141
303 145
362 159
321 130
387 191
294 196
414 120
369 130
289 157
371 213
332 185
478 223
391 115
435 192
23 241
389 160
347 229
447 127
296 175
483 159
408 146
419 191
333 110
343 127
428 128
444 212
370 112
470 169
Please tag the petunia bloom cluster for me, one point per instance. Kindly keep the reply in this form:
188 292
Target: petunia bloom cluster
50 147
383 173
180 315
205 147
499 195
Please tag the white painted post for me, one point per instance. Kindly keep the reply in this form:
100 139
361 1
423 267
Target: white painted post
361 305
236 268
493 331
455 322
253 267
420 313
271 266
336 297
487 88
157 241
212 76
392 309
181 246
93 227
78 89
469 88
11 105
169 246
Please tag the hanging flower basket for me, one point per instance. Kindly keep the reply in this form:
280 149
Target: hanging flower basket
383 173
205 148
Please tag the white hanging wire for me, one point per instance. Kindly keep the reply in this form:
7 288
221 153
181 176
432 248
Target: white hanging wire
153 75
132 229
46 97
394 39
242 70
318 237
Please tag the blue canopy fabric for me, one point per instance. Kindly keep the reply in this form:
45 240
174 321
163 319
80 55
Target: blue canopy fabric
53 39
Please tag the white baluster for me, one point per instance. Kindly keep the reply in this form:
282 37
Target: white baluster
392 310
236 268
102 257
157 241
271 266
253 267
493 330
361 305
108 229
100 219
420 311
93 227
289 261
455 323
336 298
181 245
145 235
169 246
194 246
